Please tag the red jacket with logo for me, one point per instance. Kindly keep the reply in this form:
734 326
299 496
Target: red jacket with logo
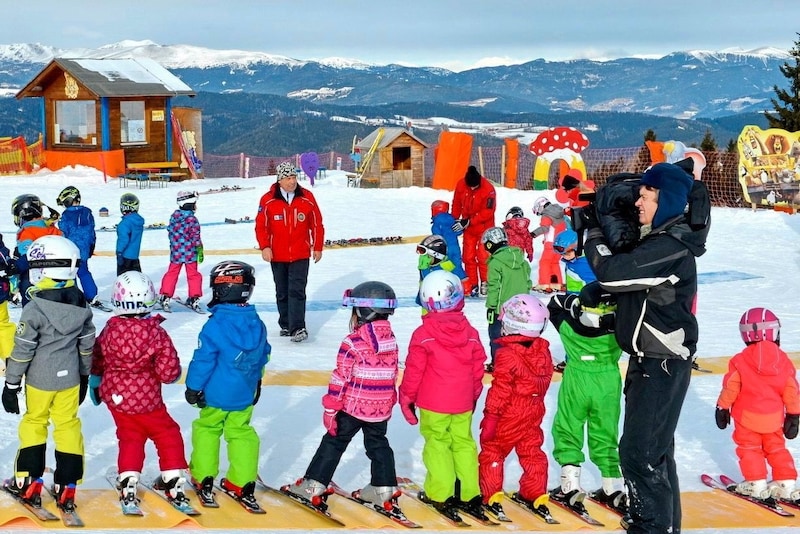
293 230
477 205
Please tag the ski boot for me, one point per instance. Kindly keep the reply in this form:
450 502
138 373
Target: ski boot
570 492
163 303
612 495
784 490
494 508
448 508
380 496
28 489
753 488
312 491
483 290
205 491
300 335
65 496
126 486
172 485
194 303
244 494
474 508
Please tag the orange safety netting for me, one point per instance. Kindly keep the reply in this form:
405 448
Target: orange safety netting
14 157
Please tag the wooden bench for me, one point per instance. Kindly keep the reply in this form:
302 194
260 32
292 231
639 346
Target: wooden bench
146 173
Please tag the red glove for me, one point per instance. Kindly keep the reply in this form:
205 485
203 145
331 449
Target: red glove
329 420
408 408
489 427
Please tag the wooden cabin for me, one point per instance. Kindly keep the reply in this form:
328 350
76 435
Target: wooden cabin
396 161
107 113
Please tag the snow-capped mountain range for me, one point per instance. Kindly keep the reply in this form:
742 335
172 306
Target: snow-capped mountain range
686 85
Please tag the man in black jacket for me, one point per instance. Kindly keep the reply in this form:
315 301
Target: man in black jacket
655 284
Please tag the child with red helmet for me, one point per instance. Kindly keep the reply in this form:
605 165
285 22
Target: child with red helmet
760 391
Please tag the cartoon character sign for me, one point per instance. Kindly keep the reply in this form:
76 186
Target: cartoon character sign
556 143
769 165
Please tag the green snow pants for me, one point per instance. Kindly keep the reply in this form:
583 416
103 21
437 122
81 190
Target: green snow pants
449 453
243 444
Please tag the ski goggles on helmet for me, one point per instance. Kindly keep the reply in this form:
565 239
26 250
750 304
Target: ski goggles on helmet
564 250
421 249
363 302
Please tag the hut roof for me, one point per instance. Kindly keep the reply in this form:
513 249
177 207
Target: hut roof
389 135
111 78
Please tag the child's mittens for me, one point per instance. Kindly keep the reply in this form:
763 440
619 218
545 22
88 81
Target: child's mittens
460 225
332 406
489 427
94 389
408 409
200 254
10 399
195 398
791 424
723 418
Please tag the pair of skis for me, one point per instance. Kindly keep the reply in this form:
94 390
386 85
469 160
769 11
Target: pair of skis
413 490
69 517
166 306
131 507
728 485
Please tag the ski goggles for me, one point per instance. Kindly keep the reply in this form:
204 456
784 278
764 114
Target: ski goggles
563 250
432 253
364 302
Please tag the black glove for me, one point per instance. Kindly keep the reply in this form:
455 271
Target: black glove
83 389
588 218
54 215
491 315
572 304
10 400
460 225
258 393
723 418
790 425
11 267
195 398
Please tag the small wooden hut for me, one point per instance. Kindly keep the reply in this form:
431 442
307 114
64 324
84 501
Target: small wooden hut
107 112
397 159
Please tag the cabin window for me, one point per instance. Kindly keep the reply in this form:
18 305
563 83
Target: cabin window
75 122
132 123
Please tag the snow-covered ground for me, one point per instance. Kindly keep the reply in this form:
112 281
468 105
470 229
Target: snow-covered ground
752 260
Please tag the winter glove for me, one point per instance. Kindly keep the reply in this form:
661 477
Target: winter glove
10 400
83 388
11 267
460 225
195 398
200 254
791 424
329 421
408 409
723 418
94 389
489 427
572 304
491 315
258 393
588 217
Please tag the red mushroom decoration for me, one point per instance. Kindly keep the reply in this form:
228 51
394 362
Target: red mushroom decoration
560 142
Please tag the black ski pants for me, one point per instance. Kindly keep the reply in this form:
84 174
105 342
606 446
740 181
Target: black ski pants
290 293
655 389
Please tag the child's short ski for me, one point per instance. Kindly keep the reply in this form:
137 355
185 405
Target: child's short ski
300 501
194 306
97 304
36 509
620 510
414 490
180 504
541 512
395 514
205 495
130 506
252 507
768 504
577 509
69 516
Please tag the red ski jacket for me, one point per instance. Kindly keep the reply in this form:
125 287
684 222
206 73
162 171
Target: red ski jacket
293 230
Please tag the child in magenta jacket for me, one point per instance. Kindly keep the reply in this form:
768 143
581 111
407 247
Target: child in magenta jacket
444 379
361 395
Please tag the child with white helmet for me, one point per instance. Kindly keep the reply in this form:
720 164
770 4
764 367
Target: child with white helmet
53 352
760 393
185 250
133 356
515 407
443 378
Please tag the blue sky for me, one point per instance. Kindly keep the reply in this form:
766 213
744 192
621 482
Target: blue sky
456 34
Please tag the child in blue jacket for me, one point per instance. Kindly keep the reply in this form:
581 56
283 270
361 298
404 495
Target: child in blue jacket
129 235
77 225
224 380
442 224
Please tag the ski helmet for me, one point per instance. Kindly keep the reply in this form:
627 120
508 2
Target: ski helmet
597 307
494 238
540 204
54 257
133 293
435 247
760 324
128 203
515 213
370 301
439 206
231 282
187 198
25 208
523 315
69 196
565 241
441 291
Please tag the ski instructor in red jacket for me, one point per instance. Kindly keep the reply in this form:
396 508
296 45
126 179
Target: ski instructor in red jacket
474 203
289 232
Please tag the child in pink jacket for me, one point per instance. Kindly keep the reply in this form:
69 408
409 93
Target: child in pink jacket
361 395
516 227
444 378
761 392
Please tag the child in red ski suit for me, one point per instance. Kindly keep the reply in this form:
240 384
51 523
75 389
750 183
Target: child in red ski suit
512 417
551 223
516 227
132 357
760 391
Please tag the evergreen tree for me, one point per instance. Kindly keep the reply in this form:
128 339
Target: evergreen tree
787 106
708 144
649 135
732 147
